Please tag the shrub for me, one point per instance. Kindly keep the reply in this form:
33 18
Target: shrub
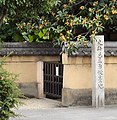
81 21
9 93
13 12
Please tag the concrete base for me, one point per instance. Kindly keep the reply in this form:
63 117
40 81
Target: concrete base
111 96
83 97
29 89
71 97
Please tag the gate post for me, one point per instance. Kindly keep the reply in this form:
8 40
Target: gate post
98 95
40 79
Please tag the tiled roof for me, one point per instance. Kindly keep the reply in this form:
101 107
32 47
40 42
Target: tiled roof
110 49
47 48
29 49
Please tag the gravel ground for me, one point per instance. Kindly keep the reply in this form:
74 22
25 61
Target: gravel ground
33 103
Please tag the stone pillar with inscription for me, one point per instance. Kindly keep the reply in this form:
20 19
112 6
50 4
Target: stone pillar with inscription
98 95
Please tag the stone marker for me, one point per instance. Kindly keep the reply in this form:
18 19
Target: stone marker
98 95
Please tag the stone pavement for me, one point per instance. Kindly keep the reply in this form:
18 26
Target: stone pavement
45 109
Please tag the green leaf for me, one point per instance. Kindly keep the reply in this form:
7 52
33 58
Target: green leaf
40 34
44 31
30 38
26 38
24 33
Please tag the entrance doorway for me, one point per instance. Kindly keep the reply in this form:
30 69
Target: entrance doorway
53 79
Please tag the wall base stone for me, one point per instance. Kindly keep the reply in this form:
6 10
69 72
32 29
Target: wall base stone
29 89
72 97
111 96
83 97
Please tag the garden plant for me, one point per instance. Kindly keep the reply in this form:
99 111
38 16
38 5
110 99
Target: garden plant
60 16
9 93
20 19
56 20
81 21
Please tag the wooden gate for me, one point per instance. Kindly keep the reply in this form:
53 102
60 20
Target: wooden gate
53 79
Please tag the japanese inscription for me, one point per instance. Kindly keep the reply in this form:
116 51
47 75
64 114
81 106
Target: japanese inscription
100 64
98 71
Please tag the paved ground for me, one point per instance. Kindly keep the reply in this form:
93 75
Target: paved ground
32 103
45 109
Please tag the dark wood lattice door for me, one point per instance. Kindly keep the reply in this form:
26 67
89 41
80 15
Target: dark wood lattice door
53 79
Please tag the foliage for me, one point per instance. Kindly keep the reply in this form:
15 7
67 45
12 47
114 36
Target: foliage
81 20
9 93
9 32
25 8
61 21
33 30
15 12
